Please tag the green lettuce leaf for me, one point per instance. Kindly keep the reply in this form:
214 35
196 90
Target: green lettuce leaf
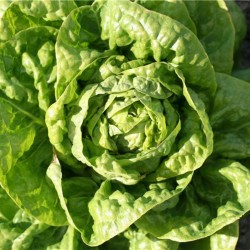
14 20
8 207
203 208
27 69
19 231
126 119
4 5
239 22
25 155
97 41
100 215
243 74
21 15
175 9
224 239
139 240
115 130
26 81
230 118
215 31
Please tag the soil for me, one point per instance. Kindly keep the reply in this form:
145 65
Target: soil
244 239
245 56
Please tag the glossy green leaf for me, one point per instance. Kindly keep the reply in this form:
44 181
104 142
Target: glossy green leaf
25 95
203 208
112 208
14 20
230 117
114 125
139 240
175 9
91 46
211 18
27 69
25 153
224 239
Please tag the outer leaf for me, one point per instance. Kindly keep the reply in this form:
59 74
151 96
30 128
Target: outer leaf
25 152
24 147
215 30
112 209
230 118
7 208
243 74
14 20
175 9
4 5
48 10
73 60
21 231
21 15
177 47
28 236
224 239
239 22
203 209
140 240
27 69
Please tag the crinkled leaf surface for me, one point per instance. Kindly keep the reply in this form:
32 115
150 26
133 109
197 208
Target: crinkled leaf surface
27 69
202 208
20 231
157 41
24 146
25 152
128 90
113 208
65 132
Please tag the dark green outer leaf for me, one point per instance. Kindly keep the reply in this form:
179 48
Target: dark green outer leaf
243 74
239 22
230 118
215 31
